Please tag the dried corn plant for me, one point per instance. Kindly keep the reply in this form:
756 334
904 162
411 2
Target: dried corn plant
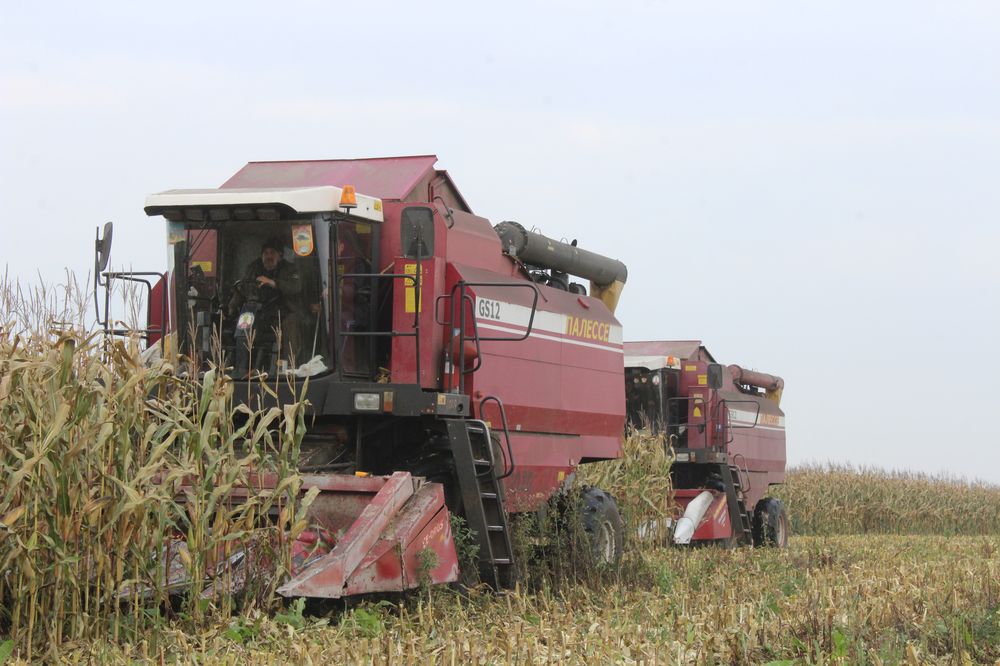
554 550
640 483
36 310
105 464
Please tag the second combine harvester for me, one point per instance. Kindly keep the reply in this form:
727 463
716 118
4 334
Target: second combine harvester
453 367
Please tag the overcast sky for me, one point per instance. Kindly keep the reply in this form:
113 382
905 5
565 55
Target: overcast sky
812 191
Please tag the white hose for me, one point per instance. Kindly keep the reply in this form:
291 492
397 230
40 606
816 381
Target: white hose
693 514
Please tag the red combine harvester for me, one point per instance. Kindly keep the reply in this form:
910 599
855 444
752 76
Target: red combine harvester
452 366
727 432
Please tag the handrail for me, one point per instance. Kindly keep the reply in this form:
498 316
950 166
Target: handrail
702 430
453 351
746 471
506 433
724 404
137 277
414 278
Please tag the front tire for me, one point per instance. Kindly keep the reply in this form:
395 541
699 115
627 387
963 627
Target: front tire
603 524
770 524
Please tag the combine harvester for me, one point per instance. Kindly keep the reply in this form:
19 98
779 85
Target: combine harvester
452 367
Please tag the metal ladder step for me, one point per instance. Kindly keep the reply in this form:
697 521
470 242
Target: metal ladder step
734 496
482 499
745 519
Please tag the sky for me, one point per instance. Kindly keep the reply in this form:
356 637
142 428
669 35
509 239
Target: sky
810 189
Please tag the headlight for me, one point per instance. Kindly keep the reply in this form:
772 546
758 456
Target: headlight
367 402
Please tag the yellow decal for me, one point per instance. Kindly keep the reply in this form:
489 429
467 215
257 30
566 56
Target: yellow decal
697 411
205 266
702 380
411 292
690 368
442 399
768 419
302 239
588 329
364 228
562 475
377 205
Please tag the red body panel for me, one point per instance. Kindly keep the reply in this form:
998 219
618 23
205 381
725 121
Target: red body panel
560 385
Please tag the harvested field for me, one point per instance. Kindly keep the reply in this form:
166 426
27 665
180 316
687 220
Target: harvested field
842 600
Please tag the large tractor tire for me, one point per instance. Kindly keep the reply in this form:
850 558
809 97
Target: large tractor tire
603 524
770 524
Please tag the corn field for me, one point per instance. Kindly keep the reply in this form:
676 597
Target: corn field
109 461
839 499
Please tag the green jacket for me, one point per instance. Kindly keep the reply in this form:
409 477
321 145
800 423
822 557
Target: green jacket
284 297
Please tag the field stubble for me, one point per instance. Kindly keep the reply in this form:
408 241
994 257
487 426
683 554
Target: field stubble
838 600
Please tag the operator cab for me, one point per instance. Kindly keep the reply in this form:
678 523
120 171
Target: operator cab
273 281
671 388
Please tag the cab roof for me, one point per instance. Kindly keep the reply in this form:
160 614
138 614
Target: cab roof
652 354
407 178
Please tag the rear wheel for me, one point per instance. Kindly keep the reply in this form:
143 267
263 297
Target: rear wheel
770 524
603 524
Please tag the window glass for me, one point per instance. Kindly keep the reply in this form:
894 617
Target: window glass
251 296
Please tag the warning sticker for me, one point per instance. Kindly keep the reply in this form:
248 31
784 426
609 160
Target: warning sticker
410 289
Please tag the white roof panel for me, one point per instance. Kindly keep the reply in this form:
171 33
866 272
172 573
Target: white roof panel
650 362
320 199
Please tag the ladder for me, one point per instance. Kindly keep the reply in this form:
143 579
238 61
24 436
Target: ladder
482 499
738 514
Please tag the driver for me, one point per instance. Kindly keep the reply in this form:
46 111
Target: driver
273 283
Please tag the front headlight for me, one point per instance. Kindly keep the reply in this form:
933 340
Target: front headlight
367 402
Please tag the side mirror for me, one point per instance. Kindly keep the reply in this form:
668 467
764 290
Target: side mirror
715 375
416 232
102 247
